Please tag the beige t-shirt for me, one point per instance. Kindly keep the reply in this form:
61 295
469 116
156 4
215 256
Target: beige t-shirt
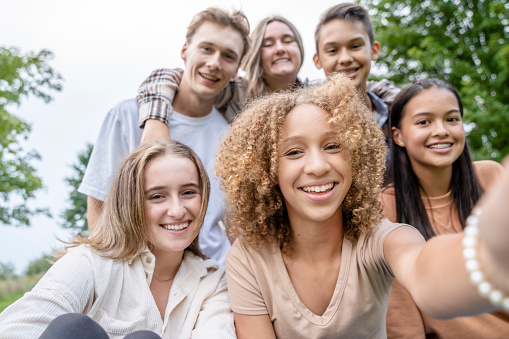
404 319
258 283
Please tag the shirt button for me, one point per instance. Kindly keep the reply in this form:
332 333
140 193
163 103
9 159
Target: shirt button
146 275
148 260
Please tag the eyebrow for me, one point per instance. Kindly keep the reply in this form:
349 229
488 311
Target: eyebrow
431 113
162 187
283 37
333 43
228 50
297 137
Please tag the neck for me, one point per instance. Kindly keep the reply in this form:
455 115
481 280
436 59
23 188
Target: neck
167 264
434 181
281 83
187 102
318 241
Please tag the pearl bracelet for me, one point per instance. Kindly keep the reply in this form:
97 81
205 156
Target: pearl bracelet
496 297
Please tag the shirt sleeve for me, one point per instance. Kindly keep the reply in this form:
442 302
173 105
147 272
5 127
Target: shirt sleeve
68 287
232 100
215 319
245 295
404 320
384 89
156 94
108 152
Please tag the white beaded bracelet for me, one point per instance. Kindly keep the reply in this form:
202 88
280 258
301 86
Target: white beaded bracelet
496 297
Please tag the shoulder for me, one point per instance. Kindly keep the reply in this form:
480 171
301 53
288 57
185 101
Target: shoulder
488 172
384 89
388 200
128 106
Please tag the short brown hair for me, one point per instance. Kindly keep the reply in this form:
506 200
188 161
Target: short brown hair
247 163
121 231
347 12
236 20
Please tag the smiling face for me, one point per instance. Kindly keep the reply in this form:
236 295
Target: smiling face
431 129
172 203
313 172
344 46
280 54
212 59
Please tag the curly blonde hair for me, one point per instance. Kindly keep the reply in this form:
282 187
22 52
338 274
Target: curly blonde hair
247 163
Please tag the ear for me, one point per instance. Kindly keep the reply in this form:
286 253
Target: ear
316 59
375 50
183 52
396 136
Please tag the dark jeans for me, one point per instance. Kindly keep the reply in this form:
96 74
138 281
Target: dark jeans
80 326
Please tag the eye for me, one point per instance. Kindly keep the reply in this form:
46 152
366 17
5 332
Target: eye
453 119
331 51
155 197
333 146
190 192
206 49
230 57
288 41
423 122
292 153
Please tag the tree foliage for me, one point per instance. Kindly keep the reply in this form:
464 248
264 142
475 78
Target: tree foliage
466 43
7 271
20 76
75 217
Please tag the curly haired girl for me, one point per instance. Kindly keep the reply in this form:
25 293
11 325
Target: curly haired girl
302 172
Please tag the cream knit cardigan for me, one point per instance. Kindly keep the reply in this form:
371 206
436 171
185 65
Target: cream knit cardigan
116 294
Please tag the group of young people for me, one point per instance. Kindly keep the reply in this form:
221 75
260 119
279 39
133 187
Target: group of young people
312 228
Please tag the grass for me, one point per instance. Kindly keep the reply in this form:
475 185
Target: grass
13 289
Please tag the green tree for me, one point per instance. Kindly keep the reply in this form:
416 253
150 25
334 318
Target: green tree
20 76
466 43
75 217
7 271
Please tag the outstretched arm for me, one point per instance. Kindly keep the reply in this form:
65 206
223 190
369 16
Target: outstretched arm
434 272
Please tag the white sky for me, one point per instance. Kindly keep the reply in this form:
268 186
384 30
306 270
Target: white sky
104 50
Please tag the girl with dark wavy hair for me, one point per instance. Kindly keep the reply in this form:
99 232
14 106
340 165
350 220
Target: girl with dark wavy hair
433 185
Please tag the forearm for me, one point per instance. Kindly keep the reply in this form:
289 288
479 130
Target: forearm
441 284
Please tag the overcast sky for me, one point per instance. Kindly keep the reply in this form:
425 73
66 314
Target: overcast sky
103 50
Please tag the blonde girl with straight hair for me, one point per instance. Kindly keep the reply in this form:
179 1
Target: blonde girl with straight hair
140 274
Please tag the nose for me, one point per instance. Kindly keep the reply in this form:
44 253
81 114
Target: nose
280 47
440 129
176 209
214 61
317 163
344 57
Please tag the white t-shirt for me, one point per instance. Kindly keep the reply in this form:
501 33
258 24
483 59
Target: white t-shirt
120 135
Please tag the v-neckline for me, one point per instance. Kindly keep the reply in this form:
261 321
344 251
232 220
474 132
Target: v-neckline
326 317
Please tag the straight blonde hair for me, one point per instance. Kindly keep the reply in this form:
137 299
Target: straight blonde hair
121 231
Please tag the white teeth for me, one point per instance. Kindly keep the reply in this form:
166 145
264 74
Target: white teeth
209 77
440 146
176 227
281 60
318 189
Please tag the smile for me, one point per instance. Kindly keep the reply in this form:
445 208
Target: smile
349 72
281 61
176 227
208 77
440 146
318 189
